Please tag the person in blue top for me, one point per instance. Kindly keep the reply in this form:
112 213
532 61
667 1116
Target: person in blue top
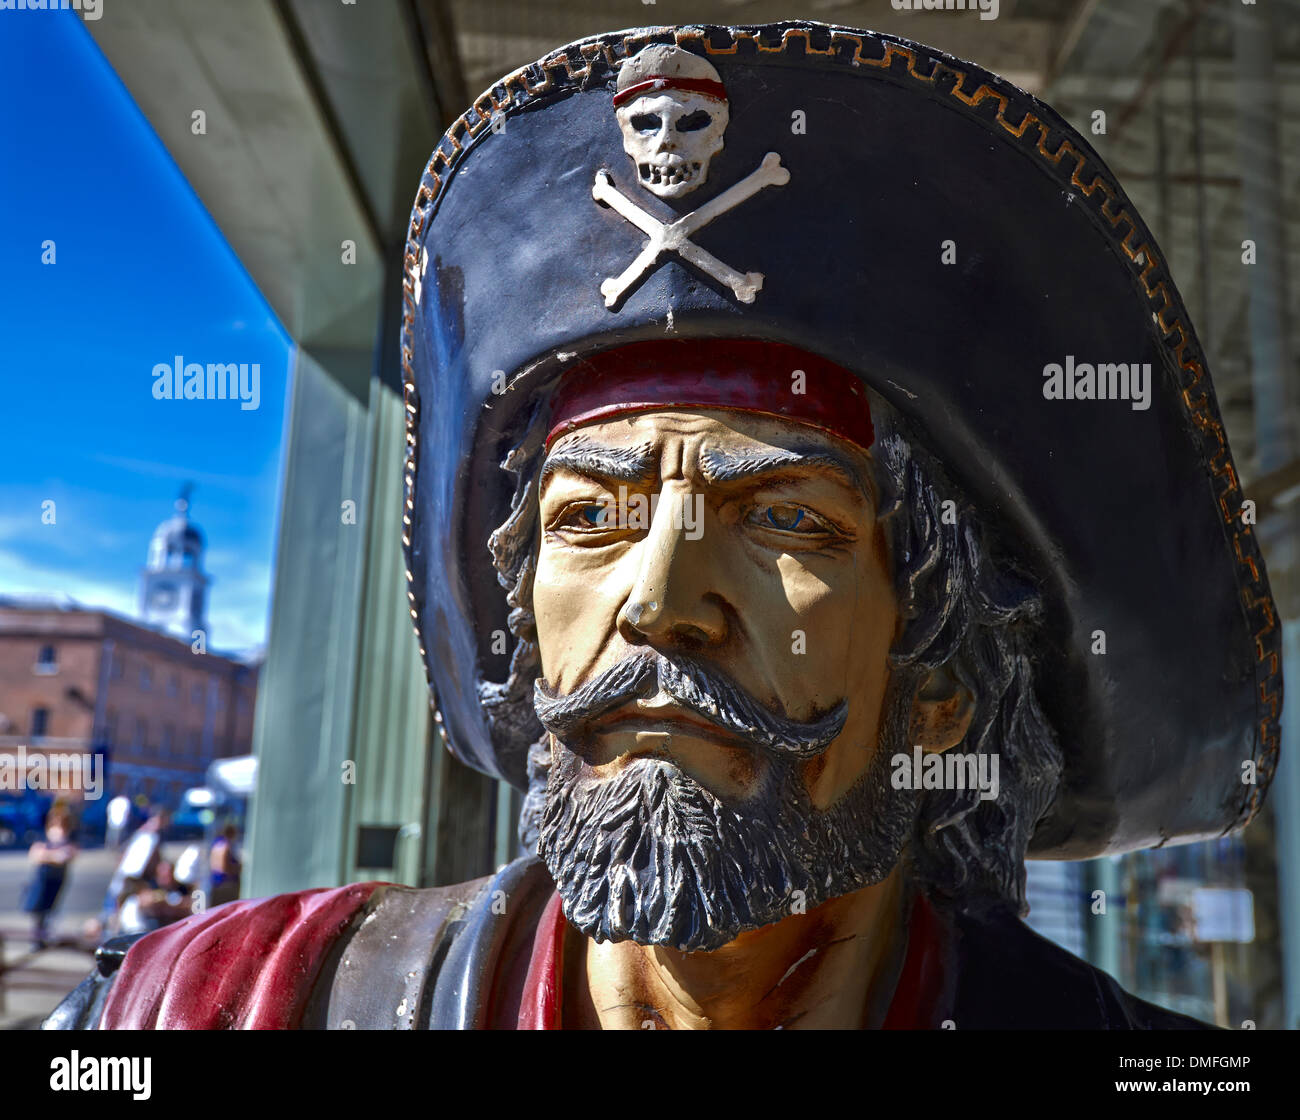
50 859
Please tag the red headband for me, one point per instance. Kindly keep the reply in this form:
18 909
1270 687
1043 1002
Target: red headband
706 86
746 375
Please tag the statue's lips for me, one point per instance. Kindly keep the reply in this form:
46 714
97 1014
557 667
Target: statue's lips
666 718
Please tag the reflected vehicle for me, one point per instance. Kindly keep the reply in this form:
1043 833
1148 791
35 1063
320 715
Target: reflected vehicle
22 818
92 822
192 817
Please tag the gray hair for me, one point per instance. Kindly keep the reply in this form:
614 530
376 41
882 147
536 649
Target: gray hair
969 611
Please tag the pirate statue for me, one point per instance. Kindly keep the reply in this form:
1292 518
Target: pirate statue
818 418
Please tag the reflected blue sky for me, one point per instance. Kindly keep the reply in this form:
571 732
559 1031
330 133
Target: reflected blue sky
141 275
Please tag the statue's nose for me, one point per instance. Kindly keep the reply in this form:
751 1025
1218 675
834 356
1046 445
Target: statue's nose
674 597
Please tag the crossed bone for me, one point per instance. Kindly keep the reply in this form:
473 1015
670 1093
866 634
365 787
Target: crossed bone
674 237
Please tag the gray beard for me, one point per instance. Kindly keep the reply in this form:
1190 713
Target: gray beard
651 856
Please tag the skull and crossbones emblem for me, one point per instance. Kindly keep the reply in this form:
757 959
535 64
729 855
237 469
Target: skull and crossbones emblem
673 111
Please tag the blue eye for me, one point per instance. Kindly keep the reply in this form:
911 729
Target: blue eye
594 515
784 517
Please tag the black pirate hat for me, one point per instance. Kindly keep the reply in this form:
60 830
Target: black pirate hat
848 168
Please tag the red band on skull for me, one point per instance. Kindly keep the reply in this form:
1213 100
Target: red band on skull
747 376
657 82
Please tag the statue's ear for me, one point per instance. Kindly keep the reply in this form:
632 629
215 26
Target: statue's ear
941 712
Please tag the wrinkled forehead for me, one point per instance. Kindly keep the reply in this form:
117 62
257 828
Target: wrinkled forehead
710 445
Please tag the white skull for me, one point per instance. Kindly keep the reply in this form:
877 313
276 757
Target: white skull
671 136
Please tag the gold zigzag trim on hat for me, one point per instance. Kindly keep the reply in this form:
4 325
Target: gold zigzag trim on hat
561 70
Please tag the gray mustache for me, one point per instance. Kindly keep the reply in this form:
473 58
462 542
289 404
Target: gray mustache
695 686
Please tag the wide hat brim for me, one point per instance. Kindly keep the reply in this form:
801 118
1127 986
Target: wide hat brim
1131 518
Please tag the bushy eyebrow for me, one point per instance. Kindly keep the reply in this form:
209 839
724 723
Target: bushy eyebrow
600 463
719 465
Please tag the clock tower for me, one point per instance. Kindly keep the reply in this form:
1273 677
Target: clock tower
173 585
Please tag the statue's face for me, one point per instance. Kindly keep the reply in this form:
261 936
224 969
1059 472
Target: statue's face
746 544
714 611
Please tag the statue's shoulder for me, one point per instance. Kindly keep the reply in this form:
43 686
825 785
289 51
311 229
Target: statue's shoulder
382 975
1010 977
303 959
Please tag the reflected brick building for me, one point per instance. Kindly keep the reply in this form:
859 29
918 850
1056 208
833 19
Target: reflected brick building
76 679
73 678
